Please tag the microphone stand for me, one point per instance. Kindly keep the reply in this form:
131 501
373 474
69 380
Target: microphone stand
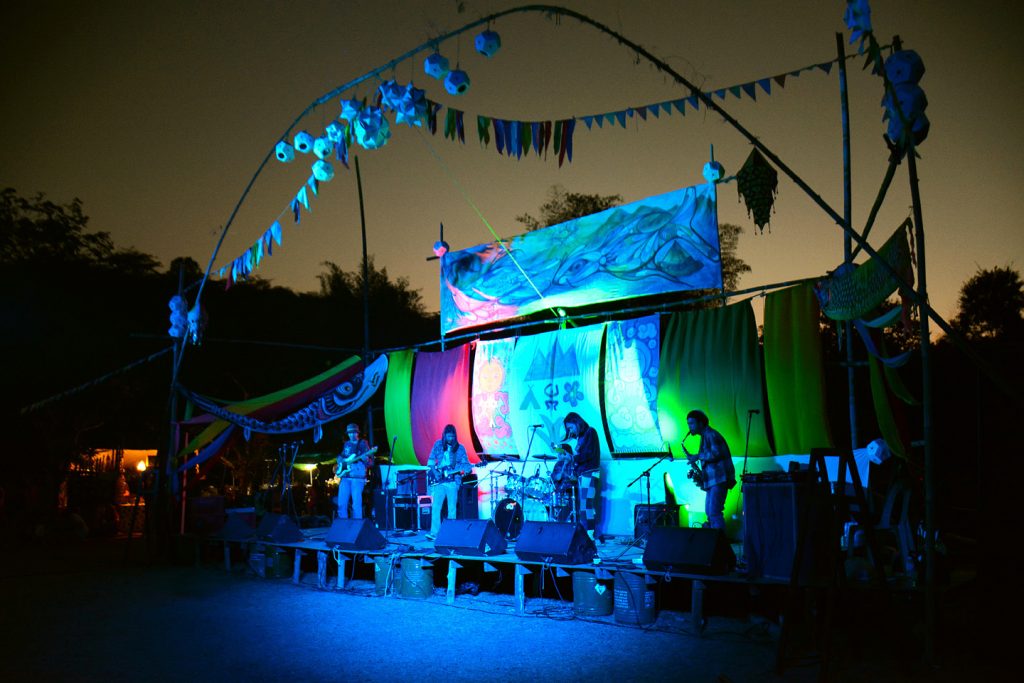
646 474
388 528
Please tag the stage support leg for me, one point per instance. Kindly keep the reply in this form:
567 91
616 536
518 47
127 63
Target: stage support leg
520 596
297 567
227 556
453 570
341 571
697 606
321 569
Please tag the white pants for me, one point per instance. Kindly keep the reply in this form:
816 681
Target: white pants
438 494
351 488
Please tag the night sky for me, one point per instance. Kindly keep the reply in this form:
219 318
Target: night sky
156 114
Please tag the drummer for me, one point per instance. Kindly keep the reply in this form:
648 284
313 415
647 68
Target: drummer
586 463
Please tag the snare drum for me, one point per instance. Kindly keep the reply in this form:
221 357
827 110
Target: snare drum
539 487
514 485
508 517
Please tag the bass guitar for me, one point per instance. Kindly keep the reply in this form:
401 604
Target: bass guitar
346 464
440 475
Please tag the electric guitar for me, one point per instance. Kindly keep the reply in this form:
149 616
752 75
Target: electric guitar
440 475
346 464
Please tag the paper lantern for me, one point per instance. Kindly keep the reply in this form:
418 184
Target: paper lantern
390 94
436 66
304 142
411 108
488 43
284 152
197 319
456 82
323 148
335 131
371 128
178 318
350 109
323 171
904 66
713 171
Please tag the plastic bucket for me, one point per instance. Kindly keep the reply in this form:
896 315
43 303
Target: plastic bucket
384 573
634 600
417 580
590 597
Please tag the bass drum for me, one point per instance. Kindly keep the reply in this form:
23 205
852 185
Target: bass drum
539 487
508 517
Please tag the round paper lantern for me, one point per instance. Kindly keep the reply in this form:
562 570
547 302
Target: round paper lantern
904 66
440 248
304 142
436 66
713 171
335 131
456 82
488 43
371 128
284 152
411 108
323 171
323 148
350 109
390 95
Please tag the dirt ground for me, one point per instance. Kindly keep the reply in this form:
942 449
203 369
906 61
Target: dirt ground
78 611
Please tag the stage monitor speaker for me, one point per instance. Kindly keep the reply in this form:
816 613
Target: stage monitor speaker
555 542
476 537
354 534
278 529
237 528
688 551
645 517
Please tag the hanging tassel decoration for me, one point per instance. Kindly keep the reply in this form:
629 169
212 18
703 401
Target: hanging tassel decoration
757 184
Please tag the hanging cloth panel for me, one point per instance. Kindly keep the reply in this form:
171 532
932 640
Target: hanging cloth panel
440 391
891 415
279 403
555 373
795 371
710 361
492 361
397 418
632 356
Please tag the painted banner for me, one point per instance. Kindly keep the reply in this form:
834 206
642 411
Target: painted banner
552 374
491 419
665 243
632 355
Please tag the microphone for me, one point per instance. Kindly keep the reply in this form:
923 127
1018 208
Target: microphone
754 411
536 426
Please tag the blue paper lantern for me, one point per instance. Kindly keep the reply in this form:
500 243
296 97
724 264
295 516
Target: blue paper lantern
284 152
456 82
713 171
436 66
488 43
304 142
323 171
323 147
335 131
411 108
371 128
350 109
390 94
904 66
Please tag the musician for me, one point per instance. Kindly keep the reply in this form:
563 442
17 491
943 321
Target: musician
447 462
715 460
354 462
586 464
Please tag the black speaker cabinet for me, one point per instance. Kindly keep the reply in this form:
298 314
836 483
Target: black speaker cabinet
277 528
392 511
646 517
354 534
468 505
476 537
774 516
688 551
555 542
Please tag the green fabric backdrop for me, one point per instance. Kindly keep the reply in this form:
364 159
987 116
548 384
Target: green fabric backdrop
794 371
397 402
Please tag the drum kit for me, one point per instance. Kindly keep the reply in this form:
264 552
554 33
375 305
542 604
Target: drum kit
534 498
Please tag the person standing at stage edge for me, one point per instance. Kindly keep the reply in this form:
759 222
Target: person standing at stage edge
586 457
447 462
354 461
719 474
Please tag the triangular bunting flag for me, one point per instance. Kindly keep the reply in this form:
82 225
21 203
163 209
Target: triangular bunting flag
720 94
599 119
303 198
570 128
680 106
735 90
275 231
295 211
588 121
653 110
499 136
766 85
537 133
525 136
460 128
781 80
641 112
610 118
258 258
483 130
667 107
507 125
514 146
621 116
449 124
313 185
557 144
749 89
694 102
826 67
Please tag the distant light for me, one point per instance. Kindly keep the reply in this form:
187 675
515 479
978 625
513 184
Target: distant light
141 466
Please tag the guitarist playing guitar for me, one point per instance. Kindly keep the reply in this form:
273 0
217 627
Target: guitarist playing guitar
354 461
447 462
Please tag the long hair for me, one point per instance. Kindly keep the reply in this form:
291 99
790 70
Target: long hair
574 418
700 416
450 429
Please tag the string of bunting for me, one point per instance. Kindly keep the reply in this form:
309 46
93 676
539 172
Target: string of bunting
512 138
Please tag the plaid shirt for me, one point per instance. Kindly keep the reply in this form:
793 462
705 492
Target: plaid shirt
716 460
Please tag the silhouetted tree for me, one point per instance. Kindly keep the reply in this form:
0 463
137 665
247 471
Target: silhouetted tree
991 305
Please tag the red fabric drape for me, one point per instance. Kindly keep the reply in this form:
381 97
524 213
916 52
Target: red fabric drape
440 396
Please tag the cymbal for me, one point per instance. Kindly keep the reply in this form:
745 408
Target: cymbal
542 456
